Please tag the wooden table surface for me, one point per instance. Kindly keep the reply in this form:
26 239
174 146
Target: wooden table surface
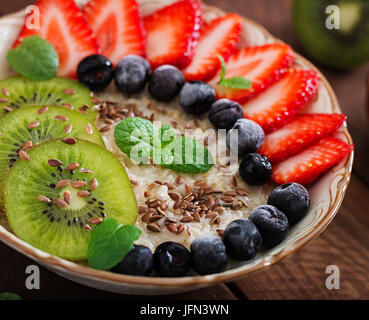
344 243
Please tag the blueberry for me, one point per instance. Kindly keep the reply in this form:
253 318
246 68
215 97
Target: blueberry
255 169
250 136
292 199
172 259
224 113
208 255
271 223
96 72
165 83
138 262
131 74
196 97
242 239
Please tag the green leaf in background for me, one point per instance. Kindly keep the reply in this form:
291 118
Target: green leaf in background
9 296
162 145
234 82
34 58
109 243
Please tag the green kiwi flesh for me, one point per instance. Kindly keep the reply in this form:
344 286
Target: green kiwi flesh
60 231
15 132
341 48
18 91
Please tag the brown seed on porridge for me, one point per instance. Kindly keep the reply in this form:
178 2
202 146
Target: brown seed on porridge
180 229
154 227
142 209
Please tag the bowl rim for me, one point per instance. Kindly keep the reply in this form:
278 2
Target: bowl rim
198 280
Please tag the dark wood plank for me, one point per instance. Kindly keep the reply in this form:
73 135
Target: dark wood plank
52 286
345 243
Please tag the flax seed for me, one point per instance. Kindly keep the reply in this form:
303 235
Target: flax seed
227 199
215 221
86 227
79 184
172 227
68 91
220 232
154 227
105 129
218 209
196 217
43 199
161 212
164 205
210 203
60 203
199 183
179 180
170 220
61 118
5 91
88 128
152 211
68 129
186 219
42 110
55 163
183 205
95 220
63 183
7 109
34 124
154 204
147 194
177 204
174 196
234 182
24 155
83 170
241 192
71 141
237 205
188 188
142 209
95 100
83 193
67 197
27 144
72 166
230 193
170 186
154 218
134 182
93 184
180 229
68 106
212 214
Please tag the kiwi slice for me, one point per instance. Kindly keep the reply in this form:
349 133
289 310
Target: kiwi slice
18 91
60 227
29 126
340 48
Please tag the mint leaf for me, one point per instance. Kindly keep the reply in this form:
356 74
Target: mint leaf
187 155
34 58
137 138
9 296
109 243
234 82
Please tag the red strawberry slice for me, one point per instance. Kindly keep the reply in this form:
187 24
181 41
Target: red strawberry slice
300 133
308 165
262 65
63 25
219 37
172 33
283 100
118 27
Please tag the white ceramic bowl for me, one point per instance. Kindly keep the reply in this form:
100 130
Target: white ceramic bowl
326 194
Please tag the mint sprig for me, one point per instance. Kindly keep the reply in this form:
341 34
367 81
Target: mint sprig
109 243
9 296
234 82
34 58
140 140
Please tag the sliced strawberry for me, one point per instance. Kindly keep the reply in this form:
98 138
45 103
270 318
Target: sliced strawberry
262 65
283 100
63 25
219 37
118 27
172 33
300 133
308 165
